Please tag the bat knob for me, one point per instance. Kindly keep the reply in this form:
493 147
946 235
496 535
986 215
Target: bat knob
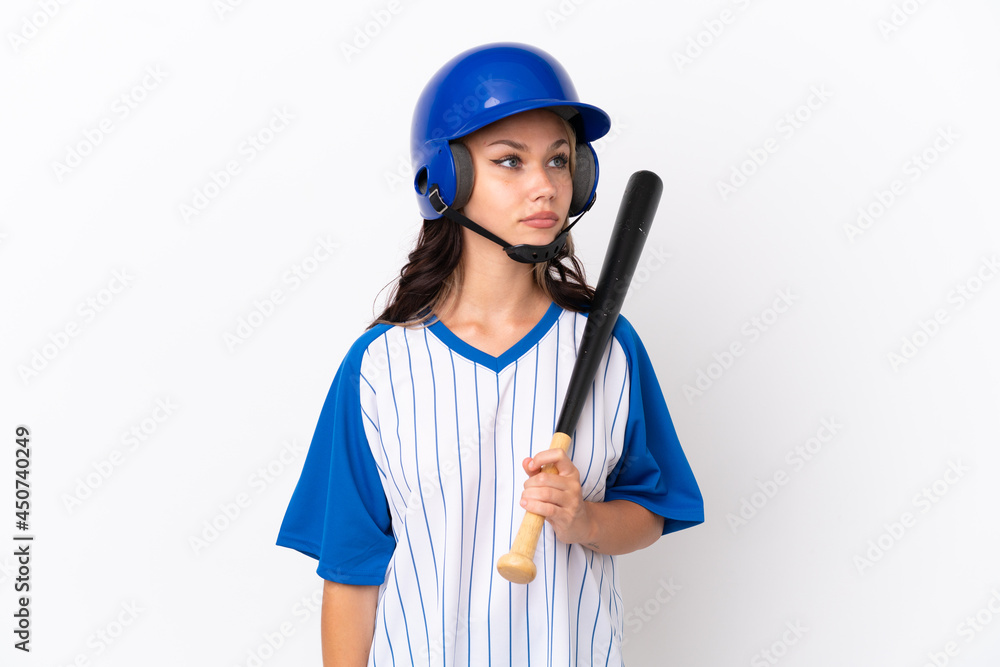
516 568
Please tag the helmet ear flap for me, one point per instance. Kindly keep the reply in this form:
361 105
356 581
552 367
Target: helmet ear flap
584 178
464 175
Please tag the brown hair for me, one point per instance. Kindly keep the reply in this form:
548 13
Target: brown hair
434 271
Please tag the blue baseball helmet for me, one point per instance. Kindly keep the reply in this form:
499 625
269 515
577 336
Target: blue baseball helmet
483 85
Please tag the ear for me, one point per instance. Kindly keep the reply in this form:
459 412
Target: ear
464 176
583 177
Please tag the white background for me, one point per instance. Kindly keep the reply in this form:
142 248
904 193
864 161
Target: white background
826 551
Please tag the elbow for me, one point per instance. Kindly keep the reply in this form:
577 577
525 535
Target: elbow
654 531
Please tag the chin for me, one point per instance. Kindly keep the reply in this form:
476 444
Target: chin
539 236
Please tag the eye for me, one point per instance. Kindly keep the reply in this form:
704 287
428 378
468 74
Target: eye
561 161
508 161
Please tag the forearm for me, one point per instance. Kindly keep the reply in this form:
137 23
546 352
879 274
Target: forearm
347 624
621 527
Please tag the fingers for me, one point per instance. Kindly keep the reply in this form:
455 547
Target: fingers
552 503
564 509
563 483
556 494
563 464
549 495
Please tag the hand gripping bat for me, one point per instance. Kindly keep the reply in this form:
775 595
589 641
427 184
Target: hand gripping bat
642 196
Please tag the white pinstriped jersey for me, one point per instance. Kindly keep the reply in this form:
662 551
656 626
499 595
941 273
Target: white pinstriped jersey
413 481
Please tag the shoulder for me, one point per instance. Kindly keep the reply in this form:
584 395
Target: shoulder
367 343
378 352
357 362
624 334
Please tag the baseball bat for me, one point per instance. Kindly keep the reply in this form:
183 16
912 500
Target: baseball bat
635 215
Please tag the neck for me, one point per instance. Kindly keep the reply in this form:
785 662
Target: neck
494 287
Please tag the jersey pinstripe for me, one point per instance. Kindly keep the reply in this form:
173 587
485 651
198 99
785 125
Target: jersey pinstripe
413 479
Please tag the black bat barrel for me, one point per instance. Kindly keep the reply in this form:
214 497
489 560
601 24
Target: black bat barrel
635 215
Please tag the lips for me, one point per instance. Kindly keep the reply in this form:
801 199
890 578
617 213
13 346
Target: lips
542 220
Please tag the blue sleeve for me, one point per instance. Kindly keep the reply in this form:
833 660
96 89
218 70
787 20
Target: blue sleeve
338 512
652 471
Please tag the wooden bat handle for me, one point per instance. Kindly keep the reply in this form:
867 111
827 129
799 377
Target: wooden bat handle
518 565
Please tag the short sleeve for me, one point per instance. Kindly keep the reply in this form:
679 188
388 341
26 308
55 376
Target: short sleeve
338 512
653 470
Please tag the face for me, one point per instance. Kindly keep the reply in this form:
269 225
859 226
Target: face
522 187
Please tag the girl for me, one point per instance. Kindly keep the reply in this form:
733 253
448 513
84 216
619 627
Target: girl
429 446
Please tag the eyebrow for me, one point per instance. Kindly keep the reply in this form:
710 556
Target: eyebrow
521 147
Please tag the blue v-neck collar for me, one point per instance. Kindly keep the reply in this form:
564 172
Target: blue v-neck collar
497 364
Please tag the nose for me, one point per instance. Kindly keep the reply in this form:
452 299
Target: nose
542 184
